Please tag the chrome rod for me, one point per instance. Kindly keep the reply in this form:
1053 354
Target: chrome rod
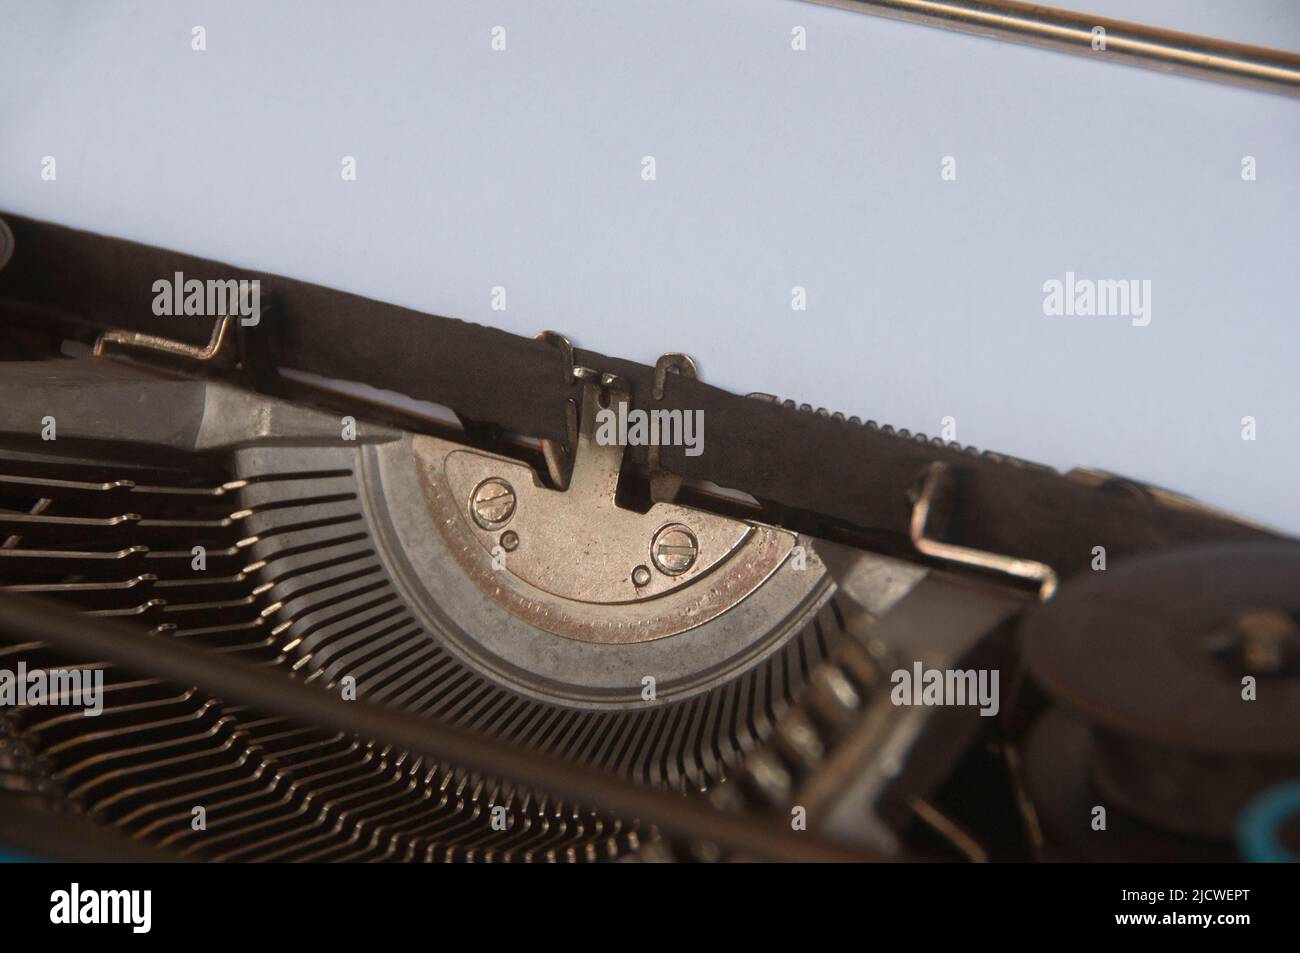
1099 37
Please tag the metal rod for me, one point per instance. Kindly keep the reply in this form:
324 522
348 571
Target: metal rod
1099 37
26 618
153 342
938 477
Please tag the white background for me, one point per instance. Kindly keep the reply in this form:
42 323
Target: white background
775 168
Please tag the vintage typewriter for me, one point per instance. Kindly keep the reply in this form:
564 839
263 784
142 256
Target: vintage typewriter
357 583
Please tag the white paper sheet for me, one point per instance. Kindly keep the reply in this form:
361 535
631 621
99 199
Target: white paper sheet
522 169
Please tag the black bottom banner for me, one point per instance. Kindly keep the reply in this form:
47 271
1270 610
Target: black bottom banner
202 903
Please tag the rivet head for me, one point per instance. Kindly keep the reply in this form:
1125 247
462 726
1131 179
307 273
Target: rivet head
510 541
492 503
674 549
640 576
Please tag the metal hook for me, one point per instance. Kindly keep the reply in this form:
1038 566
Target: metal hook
683 364
664 485
153 342
939 476
559 454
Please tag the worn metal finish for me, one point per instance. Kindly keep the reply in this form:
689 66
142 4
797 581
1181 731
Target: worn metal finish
574 569
664 484
674 549
164 345
1152 47
471 613
99 400
492 503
